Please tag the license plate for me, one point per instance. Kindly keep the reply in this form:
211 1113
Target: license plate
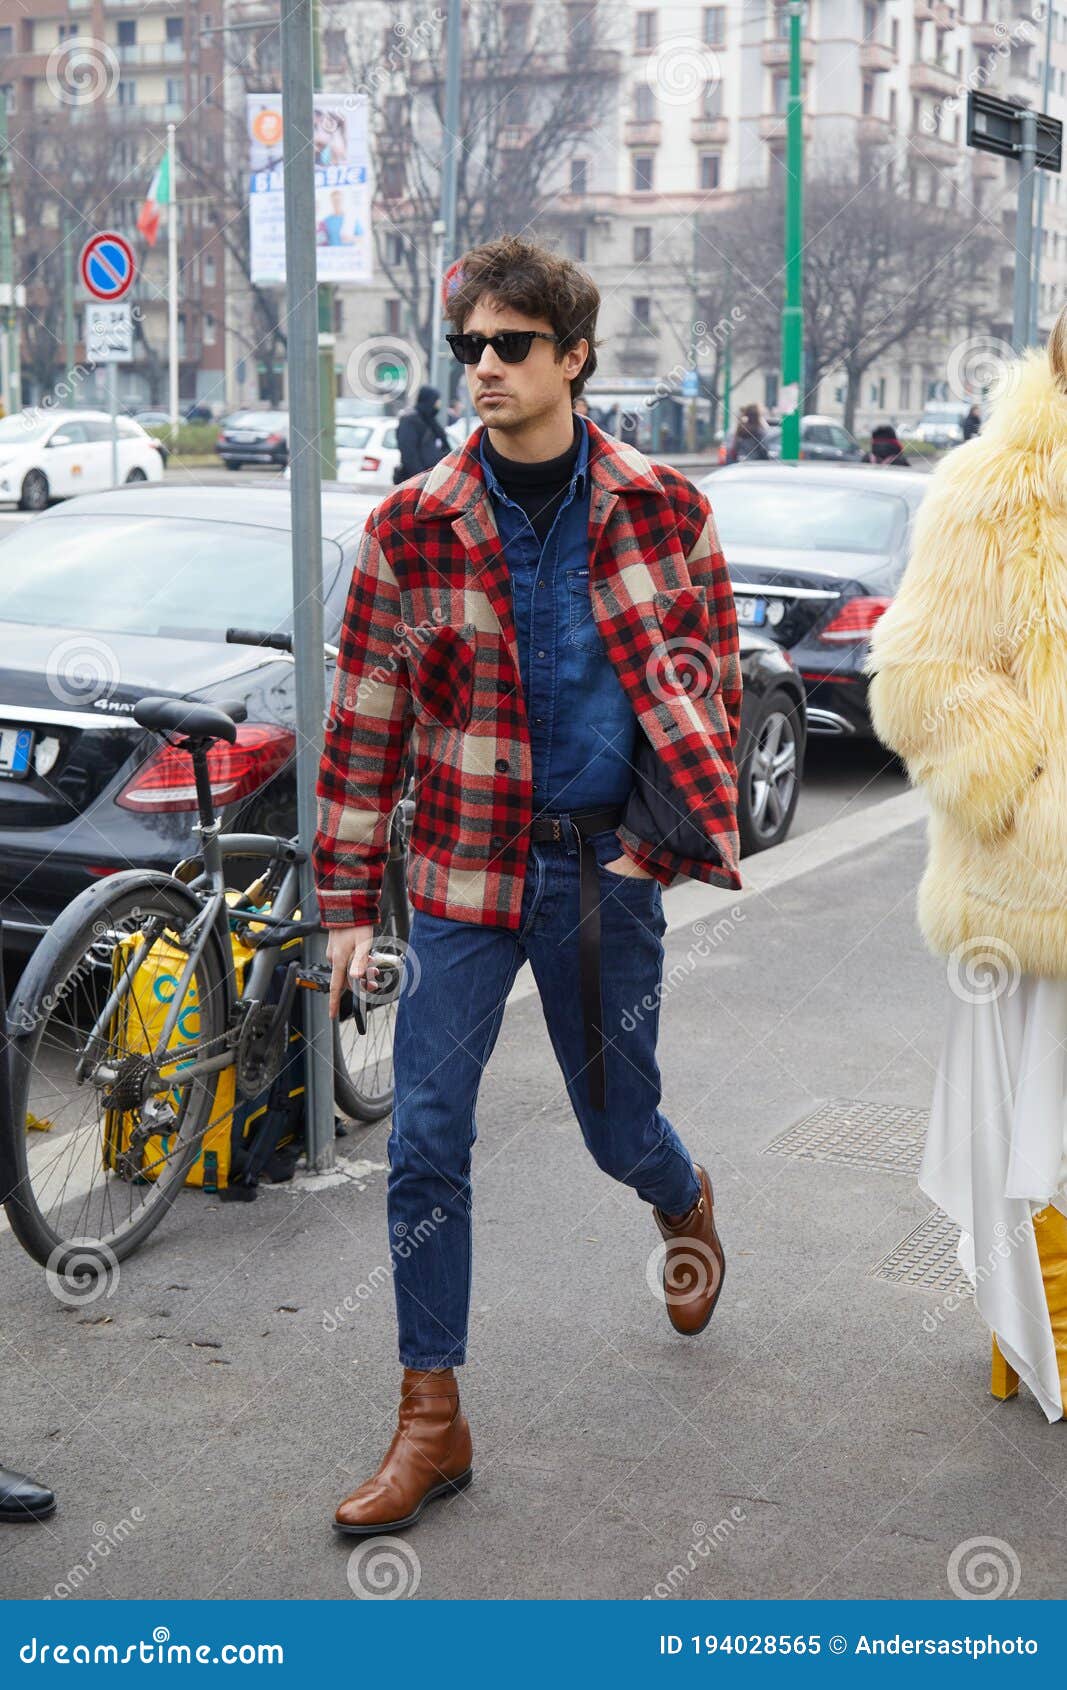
752 611
16 749
244 435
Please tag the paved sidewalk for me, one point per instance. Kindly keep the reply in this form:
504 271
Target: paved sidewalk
829 1435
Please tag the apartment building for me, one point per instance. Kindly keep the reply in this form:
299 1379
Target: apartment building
91 86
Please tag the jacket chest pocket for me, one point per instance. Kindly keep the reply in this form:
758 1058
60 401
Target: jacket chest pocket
581 624
690 662
441 669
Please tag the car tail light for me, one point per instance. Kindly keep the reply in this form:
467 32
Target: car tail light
165 781
722 451
220 436
370 463
274 439
854 620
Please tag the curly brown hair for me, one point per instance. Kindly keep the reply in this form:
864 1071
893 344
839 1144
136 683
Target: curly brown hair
536 282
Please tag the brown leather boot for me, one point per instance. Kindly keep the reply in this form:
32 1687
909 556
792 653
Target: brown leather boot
430 1455
694 1265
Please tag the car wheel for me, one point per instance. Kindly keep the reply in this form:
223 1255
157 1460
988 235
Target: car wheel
34 491
136 475
768 781
231 463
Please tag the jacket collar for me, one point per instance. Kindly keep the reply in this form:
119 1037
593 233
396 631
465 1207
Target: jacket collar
457 482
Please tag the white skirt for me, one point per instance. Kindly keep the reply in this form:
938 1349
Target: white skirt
996 1150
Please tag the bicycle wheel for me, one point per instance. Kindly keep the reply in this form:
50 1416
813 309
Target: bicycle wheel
98 1146
363 1064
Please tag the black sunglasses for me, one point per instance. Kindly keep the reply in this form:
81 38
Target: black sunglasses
510 345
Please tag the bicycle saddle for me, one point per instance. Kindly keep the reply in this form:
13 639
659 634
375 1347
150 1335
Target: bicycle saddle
186 716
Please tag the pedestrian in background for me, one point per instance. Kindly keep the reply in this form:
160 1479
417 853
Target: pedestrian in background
972 423
750 435
885 447
969 685
420 436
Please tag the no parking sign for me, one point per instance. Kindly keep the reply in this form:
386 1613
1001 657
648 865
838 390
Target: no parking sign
106 266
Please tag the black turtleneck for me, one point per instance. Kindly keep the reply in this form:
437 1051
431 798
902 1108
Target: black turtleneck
539 488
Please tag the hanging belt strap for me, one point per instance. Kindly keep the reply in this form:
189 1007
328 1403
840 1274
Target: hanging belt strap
584 823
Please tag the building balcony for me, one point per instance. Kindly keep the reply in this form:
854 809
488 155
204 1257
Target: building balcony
95 111
985 166
933 11
874 131
986 34
709 131
772 127
933 79
876 56
642 134
155 53
775 52
934 148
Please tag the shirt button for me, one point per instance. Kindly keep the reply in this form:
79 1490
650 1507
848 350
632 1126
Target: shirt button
503 765
540 654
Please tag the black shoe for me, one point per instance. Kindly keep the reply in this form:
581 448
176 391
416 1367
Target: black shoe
22 1498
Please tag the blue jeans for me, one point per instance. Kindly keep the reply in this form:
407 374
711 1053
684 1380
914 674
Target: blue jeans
445 1031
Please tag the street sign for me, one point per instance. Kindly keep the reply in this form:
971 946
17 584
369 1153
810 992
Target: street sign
108 334
995 126
106 266
690 384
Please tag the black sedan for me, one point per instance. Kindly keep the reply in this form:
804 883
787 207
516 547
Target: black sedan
113 596
254 437
815 556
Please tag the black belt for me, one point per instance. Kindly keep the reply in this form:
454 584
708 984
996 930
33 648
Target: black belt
583 823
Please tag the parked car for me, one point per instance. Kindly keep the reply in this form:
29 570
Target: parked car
771 744
254 437
115 596
815 556
821 439
941 423
367 453
51 454
152 419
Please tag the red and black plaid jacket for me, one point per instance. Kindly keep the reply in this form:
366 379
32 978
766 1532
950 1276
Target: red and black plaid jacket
429 664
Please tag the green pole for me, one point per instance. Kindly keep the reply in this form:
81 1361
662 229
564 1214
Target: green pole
793 312
327 339
7 270
727 379
68 292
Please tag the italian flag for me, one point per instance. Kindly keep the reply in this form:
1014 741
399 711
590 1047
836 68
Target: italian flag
158 195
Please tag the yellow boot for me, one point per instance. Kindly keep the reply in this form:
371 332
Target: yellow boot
1005 1381
1050 1231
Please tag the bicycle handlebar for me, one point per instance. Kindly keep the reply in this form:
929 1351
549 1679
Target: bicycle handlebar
250 636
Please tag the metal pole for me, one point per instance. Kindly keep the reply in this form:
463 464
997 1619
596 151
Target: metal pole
450 143
68 293
113 407
1039 238
7 271
1024 231
327 337
172 281
793 310
306 493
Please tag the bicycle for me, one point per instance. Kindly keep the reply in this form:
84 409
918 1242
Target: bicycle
62 1181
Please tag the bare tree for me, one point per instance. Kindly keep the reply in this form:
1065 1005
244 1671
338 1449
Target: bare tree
535 81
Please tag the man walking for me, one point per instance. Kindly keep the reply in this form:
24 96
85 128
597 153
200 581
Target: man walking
420 436
546 619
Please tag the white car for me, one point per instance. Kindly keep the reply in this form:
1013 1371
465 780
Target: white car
49 454
367 452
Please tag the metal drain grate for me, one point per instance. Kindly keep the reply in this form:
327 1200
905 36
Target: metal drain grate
859 1134
926 1258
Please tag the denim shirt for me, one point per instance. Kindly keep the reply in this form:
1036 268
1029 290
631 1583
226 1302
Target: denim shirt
582 724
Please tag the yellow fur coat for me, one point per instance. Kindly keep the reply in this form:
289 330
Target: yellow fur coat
969 686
